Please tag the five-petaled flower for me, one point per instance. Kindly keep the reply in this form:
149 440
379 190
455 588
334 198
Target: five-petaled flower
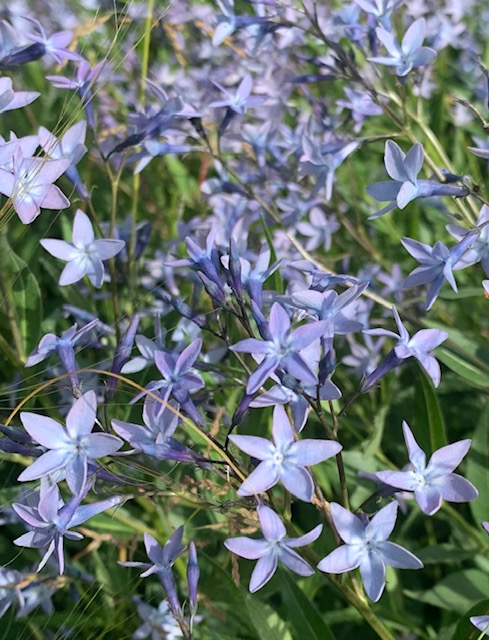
409 54
434 481
31 187
436 264
419 346
51 520
283 460
69 449
368 548
405 185
272 548
84 255
281 348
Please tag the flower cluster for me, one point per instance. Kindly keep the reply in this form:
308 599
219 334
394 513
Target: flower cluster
216 354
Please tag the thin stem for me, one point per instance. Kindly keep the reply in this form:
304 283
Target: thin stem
113 272
330 432
10 313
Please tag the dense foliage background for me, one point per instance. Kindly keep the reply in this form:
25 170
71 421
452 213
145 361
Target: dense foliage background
230 160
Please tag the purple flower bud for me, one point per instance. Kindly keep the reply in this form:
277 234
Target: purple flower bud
168 583
235 268
24 55
193 574
122 355
186 312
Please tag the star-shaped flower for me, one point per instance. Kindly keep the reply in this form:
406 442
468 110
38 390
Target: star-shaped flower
84 255
368 548
434 481
31 185
281 348
178 378
419 346
63 346
274 547
436 264
240 101
163 559
156 438
51 520
69 449
409 54
10 99
405 185
283 460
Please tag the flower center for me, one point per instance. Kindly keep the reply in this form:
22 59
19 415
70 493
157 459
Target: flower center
278 458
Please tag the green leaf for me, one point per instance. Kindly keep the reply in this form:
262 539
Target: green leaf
443 553
221 589
276 281
434 416
372 443
478 467
465 629
470 347
267 623
457 592
305 619
22 296
466 370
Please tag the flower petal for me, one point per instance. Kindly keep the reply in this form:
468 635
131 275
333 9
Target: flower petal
272 526
81 417
262 478
46 464
294 562
398 557
342 559
308 452
46 431
247 547
263 571
454 488
254 446
349 527
283 434
372 570
298 481
306 539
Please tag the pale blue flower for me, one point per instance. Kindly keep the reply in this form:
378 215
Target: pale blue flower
273 548
284 460
84 254
71 448
409 54
434 481
368 548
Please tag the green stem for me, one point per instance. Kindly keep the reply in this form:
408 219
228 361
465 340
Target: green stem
10 313
136 182
112 269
